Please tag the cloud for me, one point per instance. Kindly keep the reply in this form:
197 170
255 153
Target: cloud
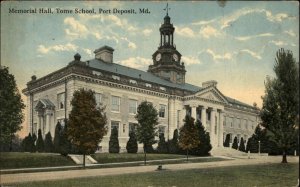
190 60
131 45
245 38
87 51
209 31
204 22
216 57
76 28
147 32
185 31
278 43
253 54
136 62
68 47
290 33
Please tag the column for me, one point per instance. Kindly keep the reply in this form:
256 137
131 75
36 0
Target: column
221 129
212 127
194 112
203 116
160 39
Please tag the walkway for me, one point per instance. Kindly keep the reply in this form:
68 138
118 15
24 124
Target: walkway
57 175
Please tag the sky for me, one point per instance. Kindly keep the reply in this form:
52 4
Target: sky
234 43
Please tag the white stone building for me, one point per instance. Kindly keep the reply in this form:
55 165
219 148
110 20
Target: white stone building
121 89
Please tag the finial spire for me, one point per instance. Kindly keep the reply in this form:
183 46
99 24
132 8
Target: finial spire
167 8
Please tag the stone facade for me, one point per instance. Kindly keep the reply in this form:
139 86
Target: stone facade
120 89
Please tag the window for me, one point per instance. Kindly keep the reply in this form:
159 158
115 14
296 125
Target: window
231 122
132 81
224 123
132 106
115 77
114 124
162 88
230 138
178 118
148 85
132 127
239 122
115 104
162 111
238 138
61 100
124 128
97 73
161 130
98 98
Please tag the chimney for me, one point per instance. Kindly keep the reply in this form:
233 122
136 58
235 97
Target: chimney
104 53
209 83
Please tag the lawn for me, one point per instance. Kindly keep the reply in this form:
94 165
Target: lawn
241 176
11 160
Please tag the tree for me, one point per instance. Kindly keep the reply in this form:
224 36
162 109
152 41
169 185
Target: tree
173 144
64 143
189 135
56 142
114 146
235 143
49 147
28 144
132 145
86 126
204 147
162 144
227 140
11 107
242 145
147 118
280 107
40 142
34 138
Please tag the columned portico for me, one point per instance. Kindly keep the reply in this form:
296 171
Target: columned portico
194 112
203 116
221 129
212 126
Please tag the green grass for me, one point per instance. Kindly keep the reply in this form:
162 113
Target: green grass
12 160
126 157
275 175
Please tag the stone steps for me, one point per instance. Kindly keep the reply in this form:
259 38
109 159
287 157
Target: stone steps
228 152
78 159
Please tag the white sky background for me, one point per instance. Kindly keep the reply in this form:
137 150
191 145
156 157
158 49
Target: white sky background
234 45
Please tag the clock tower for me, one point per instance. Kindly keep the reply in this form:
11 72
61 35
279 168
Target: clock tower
166 59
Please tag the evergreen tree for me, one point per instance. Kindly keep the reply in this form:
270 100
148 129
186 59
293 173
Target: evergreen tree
49 147
162 144
280 107
29 146
235 143
147 118
86 125
40 142
204 147
189 135
227 141
56 142
114 146
173 144
132 145
64 143
242 145
11 108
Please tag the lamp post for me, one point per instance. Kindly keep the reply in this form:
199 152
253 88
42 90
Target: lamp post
259 147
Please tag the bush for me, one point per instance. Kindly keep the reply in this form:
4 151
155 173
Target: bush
49 147
28 144
114 146
235 143
40 142
227 141
162 145
132 145
242 145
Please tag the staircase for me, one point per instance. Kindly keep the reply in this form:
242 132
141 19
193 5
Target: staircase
227 152
78 159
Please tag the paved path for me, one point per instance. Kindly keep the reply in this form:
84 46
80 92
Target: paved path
56 175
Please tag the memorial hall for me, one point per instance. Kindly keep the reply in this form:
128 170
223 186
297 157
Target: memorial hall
121 89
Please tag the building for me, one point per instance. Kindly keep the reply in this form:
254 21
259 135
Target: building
121 89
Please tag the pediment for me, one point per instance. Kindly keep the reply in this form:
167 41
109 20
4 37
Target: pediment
211 94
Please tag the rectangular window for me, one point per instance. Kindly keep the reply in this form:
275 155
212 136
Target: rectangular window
115 77
132 127
114 124
98 98
161 130
132 106
132 81
61 100
231 122
238 138
115 104
239 122
178 118
162 111
162 88
148 85
230 138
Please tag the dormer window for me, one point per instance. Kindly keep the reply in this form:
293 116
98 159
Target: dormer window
115 77
148 85
132 81
162 88
97 73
